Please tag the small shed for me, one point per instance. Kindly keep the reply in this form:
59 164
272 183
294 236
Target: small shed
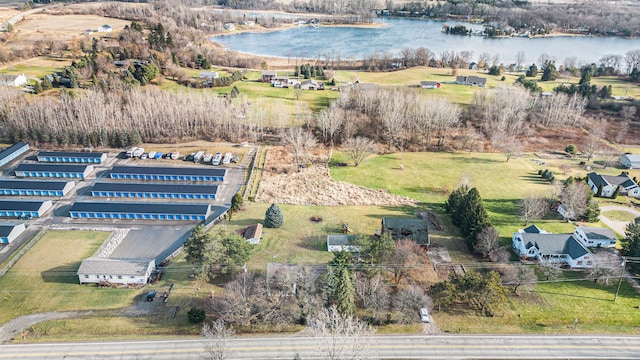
96 270
105 28
253 234
336 243
429 84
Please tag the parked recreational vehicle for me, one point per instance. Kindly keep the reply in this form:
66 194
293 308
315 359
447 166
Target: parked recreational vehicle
131 151
217 158
207 158
227 158
151 154
198 157
138 152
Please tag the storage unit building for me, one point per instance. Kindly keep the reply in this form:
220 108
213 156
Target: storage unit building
168 173
54 171
72 157
154 191
96 270
24 208
9 232
35 188
140 211
13 152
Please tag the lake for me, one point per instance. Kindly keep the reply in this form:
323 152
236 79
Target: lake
397 34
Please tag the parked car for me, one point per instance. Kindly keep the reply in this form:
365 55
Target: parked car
143 156
158 155
234 159
424 315
190 157
207 158
151 154
175 155
151 295
216 159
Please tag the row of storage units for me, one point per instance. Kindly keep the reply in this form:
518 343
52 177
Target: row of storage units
53 171
155 191
71 157
10 231
24 208
208 174
139 211
12 152
35 188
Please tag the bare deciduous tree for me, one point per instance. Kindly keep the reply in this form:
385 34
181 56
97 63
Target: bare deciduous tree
217 337
487 242
575 198
330 121
533 207
520 275
408 302
596 134
393 119
550 269
341 337
374 293
299 142
407 257
359 148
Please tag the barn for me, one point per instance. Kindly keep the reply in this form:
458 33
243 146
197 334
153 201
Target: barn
9 232
23 208
168 173
13 152
35 188
72 157
154 190
96 270
139 211
54 170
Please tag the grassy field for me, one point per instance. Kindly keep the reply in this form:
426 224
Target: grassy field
36 67
619 215
45 279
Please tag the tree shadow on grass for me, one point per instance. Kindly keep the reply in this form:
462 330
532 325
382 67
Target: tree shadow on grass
313 242
475 160
406 210
245 222
65 274
506 209
536 179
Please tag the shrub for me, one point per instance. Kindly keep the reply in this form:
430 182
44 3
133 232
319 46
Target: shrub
571 149
196 315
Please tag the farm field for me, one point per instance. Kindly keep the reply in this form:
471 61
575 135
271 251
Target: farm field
36 67
45 279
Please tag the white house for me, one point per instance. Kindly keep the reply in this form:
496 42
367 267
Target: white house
630 161
229 26
105 28
208 75
337 243
569 215
429 84
595 237
13 80
96 270
9 232
471 80
610 183
560 249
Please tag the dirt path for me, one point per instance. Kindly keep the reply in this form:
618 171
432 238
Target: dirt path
617 226
13 328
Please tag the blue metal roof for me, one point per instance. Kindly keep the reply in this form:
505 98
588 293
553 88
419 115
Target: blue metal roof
52 167
22 205
78 154
32 185
5 229
177 170
13 148
140 208
155 188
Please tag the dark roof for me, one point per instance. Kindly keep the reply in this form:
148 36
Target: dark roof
598 233
53 167
33 185
22 205
177 170
140 208
81 154
556 244
532 229
340 239
253 231
622 180
11 149
156 188
407 228
5 229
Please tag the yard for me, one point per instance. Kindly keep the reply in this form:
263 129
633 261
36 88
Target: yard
45 279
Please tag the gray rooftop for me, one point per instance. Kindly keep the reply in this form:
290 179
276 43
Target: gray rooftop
410 228
140 208
33 185
556 244
598 233
52 167
106 266
177 170
622 180
81 154
21 205
532 229
13 148
5 229
156 188
339 239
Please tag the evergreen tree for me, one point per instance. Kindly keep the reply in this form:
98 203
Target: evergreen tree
599 192
592 213
46 83
273 217
533 71
473 216
375 251
236 202
616 192
453 203
631 241
443 294
37 88
235 251
195 245
329 286
549 72
345 293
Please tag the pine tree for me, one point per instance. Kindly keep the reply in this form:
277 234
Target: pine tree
616 192
473 216
329 286
631 241
345 293
195 244
599 192
273 217
236 202
453 203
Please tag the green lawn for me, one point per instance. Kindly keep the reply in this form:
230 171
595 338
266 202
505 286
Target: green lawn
45 279
619 215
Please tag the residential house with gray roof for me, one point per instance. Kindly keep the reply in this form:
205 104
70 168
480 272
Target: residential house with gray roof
630 161
595 237
609 184
560 249
96 270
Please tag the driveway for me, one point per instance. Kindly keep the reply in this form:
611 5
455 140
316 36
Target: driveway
617 226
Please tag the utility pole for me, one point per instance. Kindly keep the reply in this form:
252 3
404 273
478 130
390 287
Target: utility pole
624 265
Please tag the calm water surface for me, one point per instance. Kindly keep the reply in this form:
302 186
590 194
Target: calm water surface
402 33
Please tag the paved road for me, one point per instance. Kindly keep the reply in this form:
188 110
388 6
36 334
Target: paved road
617 226
387 347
